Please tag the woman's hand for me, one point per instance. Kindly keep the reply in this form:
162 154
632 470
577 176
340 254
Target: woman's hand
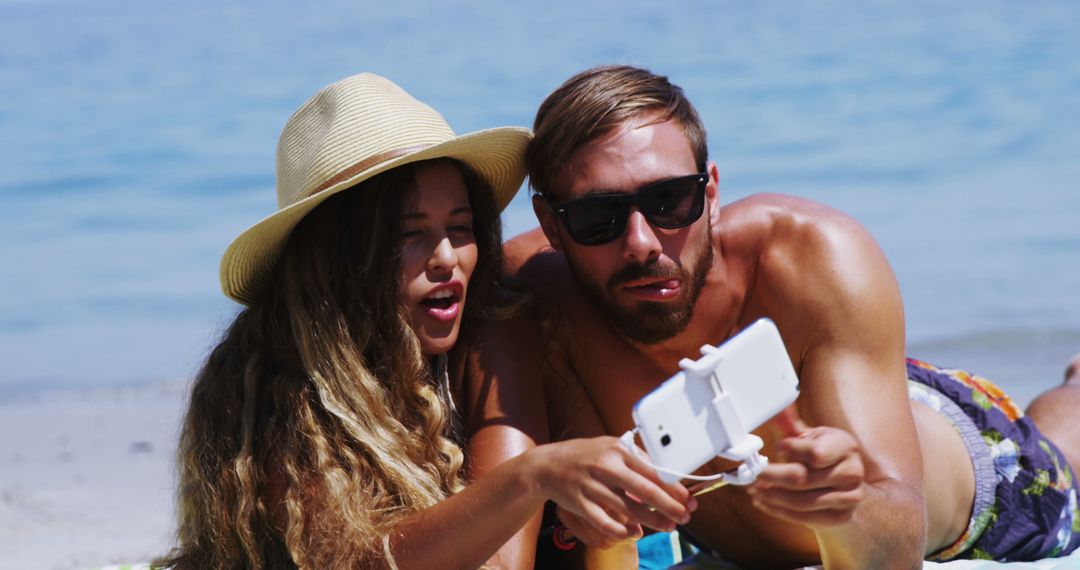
817 478
604 493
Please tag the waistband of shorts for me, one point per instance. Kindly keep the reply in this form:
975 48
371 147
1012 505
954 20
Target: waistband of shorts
981 461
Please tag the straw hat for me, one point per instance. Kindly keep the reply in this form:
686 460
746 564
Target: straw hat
346 133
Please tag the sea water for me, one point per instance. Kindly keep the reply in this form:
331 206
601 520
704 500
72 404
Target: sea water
137 140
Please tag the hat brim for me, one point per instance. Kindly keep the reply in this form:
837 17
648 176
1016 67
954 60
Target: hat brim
495 155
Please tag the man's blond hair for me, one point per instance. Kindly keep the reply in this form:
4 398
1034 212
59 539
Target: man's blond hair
595 102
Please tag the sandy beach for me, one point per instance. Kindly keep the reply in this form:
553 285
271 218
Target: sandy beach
87 477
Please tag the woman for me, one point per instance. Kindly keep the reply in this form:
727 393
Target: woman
321 430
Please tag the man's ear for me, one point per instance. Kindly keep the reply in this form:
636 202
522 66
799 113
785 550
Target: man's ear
548 222
712 193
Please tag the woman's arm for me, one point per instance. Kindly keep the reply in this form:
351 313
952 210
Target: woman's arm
590 477
506 419
464 530
496 518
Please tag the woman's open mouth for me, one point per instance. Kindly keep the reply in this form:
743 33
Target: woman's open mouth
443 304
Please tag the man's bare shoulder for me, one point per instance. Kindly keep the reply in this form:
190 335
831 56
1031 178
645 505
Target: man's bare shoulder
787 232
810 257
529 257
519 250
777 216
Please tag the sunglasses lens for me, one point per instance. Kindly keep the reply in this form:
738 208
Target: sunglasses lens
673 203
593 221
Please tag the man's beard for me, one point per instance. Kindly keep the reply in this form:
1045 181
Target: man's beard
649 322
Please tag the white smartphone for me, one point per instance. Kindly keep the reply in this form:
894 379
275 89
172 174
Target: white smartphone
678 422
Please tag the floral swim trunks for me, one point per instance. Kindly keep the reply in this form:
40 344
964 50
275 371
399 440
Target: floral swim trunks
1025 493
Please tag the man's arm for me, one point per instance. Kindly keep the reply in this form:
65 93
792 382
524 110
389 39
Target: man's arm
856 480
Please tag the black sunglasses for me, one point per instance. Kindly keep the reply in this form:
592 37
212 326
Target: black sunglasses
668 204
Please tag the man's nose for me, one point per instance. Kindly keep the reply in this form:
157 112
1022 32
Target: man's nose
641 243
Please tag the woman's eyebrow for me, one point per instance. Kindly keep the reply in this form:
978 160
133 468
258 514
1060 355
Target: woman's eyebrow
424 215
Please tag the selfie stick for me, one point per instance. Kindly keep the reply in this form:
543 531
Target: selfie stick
744 446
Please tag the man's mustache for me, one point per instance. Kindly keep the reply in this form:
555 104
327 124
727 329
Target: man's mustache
635 271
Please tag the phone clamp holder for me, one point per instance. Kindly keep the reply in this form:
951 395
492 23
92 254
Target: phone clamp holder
744 446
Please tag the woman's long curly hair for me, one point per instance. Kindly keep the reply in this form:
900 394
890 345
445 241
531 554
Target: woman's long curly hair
315 425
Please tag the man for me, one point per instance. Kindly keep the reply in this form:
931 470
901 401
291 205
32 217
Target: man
636 265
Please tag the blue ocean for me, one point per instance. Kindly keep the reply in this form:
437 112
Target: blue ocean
137 139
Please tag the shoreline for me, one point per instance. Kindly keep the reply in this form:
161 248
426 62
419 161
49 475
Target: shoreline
1023 364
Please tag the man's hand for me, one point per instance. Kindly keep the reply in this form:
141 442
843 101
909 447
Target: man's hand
817 478
605 494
